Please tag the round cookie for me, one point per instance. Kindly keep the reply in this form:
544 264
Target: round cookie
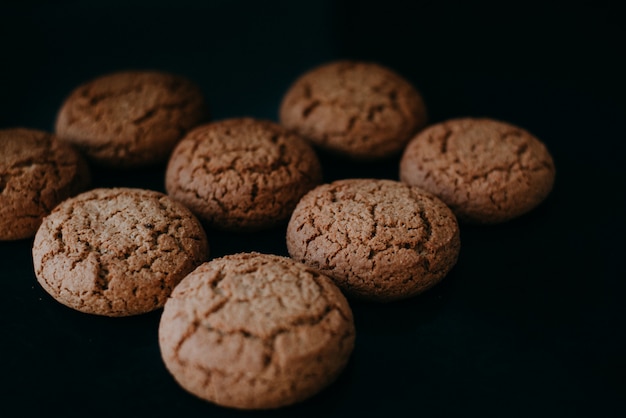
117 252
381 240
486 171
37 172
360 110
242 173
255 331
130 118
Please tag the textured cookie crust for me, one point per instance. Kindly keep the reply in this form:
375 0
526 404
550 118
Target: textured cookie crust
256 331
378 239
37 172
130 118
357 109
117 252
486 171
242 174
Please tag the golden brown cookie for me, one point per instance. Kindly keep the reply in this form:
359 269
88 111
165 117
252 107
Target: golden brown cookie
378 239
255 331
242 173
37 172
130 118
357 109
117 252
487 171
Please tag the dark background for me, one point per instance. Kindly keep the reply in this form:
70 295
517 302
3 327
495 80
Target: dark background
531 320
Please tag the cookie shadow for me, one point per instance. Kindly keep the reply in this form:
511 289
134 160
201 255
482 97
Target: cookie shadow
406 315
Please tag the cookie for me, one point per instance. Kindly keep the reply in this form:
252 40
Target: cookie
485 170
255 331
37 172
130 118
117 252
242 173
359 110
380 240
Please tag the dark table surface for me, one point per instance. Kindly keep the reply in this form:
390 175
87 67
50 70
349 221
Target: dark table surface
531 320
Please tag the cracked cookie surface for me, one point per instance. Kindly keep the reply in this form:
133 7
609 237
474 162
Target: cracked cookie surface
117 252
378 239
487 171
37 172
255 331
130 118
242 173
357 109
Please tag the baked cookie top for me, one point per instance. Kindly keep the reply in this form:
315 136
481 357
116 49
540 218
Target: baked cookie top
361 110
130 118
487 171
255 331
242 173
378 239
117 252
37 172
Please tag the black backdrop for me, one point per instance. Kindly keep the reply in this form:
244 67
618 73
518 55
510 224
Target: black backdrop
531 320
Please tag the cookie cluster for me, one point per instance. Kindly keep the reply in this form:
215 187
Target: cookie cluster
252 330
